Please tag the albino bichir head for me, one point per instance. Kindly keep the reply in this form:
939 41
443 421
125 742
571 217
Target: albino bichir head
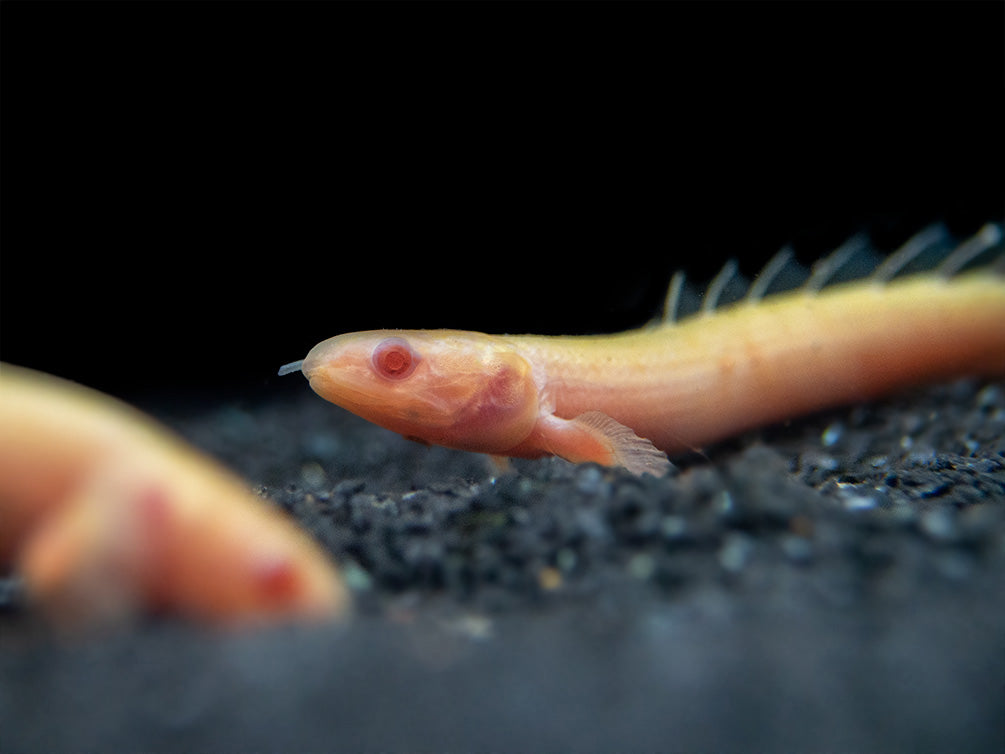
460 389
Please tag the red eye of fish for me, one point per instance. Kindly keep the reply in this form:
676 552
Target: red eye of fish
394 359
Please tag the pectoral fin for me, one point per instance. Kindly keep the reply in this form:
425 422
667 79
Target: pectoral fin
596 437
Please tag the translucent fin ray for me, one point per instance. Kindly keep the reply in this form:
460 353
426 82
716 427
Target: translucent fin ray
763 282
986 238
916 245
671 304
717 286
825 271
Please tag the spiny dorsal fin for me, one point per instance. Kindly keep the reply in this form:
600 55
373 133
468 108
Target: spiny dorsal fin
931 250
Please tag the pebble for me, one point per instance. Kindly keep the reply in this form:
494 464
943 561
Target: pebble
940 525
735 552
854 499
313 476
590 481
797 549
356 577
641 566
832 435
566 559
673 527
989 395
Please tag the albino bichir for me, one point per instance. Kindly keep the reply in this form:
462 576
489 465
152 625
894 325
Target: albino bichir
105 515
629 399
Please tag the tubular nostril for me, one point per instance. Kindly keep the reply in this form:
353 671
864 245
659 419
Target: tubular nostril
293 366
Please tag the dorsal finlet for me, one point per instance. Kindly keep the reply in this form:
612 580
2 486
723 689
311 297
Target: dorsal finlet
672 301
929 240
762 283
717 286
912 248
988 236
824 270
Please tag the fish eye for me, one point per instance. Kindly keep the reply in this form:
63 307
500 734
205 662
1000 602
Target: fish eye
394 359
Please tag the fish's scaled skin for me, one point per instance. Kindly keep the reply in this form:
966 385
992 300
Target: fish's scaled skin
106 515
629 398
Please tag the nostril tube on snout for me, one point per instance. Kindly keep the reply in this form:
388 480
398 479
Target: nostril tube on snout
293 366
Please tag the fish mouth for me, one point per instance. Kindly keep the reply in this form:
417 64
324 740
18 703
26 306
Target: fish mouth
334 383
309 365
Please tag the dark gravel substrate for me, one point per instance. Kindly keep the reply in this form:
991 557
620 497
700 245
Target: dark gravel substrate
833 585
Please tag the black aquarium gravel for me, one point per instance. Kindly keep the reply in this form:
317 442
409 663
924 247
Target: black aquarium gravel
833 584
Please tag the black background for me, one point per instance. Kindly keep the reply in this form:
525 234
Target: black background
194 194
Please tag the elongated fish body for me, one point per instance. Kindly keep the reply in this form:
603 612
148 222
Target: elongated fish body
626 399
685 385
106 514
